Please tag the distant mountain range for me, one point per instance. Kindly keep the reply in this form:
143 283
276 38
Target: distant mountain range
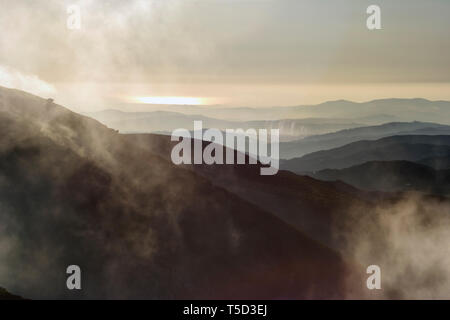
411 148
391 176
73 191
401 109
391 164
370 113
297 200
298 148
293 122
166 122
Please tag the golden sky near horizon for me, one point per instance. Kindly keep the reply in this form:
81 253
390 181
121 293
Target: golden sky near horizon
230 52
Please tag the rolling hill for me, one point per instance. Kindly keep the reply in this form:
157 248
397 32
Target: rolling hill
410 147
438 163
391 176
73 191
403 109
297 200
165 121
371 112
298 148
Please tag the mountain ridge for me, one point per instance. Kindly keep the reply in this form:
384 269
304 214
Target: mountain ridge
397 108
78 192
408 147
391 176
298 148
74 191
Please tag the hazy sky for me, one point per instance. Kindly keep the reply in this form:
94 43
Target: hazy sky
237 52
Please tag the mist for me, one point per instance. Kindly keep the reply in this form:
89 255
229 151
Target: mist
227 52
409 241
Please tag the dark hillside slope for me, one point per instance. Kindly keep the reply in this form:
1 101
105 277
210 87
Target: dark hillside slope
309 205
391 176
75 192
410 148
5 295
294 149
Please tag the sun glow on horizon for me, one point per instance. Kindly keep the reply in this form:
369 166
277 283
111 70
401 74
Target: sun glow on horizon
171 100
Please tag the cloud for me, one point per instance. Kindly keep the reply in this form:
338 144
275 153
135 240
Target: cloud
410 242
12 78
260 53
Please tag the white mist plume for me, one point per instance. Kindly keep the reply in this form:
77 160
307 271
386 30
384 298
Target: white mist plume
410 241
12 78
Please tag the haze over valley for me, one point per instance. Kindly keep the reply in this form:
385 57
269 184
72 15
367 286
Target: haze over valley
123 174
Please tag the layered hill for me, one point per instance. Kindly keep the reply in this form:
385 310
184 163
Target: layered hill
298 148
438 163
409 147
371 112
166 122
73 191
297 200
391 176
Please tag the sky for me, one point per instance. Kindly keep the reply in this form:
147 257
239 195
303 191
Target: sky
230 52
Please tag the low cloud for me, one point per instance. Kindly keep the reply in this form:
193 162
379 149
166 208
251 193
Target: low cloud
15 79
410 242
